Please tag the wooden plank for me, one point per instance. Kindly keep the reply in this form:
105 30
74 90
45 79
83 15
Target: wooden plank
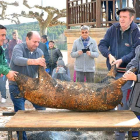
69 119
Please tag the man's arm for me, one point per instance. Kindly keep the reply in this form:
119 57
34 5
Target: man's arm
5 70
38 61
75 53
19 60
105 44
94 52
59 53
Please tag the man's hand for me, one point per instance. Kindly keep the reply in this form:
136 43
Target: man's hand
80 52
111 59
38 61
41 62
117 62
88 53
11 75
129 76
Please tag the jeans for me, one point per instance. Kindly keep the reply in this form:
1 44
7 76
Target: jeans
3 86
19 103
125 88
110 9
123 3
136 133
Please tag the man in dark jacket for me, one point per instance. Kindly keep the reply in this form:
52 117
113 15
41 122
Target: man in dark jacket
4 69
54 54
42 46
118 46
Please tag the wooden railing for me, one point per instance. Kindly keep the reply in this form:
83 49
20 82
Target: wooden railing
93 12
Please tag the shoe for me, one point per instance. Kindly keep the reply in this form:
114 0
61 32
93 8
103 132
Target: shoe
3 100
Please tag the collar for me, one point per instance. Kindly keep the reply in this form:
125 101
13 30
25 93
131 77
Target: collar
124 30
87 39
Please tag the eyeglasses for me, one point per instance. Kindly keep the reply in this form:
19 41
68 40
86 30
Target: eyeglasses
84 32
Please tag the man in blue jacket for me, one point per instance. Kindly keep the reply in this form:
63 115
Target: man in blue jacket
118 46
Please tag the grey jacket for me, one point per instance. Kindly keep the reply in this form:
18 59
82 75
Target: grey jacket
19 60
134 97
84 63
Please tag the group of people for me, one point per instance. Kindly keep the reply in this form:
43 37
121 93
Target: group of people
25 59
8 46
121 4
120 46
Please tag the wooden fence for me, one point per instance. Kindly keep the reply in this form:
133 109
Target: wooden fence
94 12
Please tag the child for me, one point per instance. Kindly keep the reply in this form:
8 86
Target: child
61 72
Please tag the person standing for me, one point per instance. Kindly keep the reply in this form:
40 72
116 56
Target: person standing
137 8
134 99
118 46
3 78
25 59
54 54
42 46
123 3
84 50
45 40
110 9
13 42
4 68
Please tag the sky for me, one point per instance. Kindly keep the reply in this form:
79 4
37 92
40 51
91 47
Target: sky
11 9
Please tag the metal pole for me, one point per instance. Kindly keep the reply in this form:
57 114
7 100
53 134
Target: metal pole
42 5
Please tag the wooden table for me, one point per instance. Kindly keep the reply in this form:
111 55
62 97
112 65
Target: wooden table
73 121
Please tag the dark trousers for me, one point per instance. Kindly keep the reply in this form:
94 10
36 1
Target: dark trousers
89 76
51 67
110 9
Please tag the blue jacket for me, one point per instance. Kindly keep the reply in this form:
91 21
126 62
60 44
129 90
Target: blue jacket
109 44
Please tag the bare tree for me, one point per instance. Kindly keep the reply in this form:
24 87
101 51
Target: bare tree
3 6
52 18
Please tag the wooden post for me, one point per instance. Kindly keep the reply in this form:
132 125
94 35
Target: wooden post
10 135
98 14
68 14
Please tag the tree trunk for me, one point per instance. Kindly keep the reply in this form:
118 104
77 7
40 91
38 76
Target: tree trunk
43 29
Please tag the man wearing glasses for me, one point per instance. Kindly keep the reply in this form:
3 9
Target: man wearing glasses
84 50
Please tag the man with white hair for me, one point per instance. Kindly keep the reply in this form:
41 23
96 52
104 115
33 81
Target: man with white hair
84 50
25 59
